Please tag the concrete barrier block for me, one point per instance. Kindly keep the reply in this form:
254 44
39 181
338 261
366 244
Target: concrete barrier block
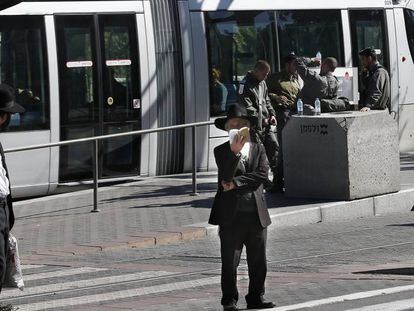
341 156
348 210
400 202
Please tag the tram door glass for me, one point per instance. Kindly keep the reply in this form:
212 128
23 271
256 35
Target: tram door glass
99 93
236 41
23 66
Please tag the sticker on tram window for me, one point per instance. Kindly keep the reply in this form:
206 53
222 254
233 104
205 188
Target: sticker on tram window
77 64
136 104
118 62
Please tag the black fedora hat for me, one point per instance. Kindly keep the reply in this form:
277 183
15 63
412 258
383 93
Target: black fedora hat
7 100
235 111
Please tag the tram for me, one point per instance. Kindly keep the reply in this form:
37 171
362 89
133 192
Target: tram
86 68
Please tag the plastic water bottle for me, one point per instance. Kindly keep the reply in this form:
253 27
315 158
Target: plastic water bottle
317 107
300 107
319 56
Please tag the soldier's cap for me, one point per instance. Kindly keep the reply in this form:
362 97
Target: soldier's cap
235 111
367 52
7 100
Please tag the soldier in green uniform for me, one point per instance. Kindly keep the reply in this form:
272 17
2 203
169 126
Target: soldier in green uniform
322 85
253 96
376 94
284 88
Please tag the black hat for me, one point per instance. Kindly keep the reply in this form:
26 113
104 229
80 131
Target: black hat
7 100
368 52
289 58
235 111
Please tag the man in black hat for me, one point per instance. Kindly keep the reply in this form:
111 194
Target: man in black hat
240 210
375 80
8 106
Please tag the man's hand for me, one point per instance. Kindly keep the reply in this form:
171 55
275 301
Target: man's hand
283 99
237 145
365 109
272 120
228 185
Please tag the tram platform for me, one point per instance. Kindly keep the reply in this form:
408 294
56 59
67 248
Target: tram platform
160 210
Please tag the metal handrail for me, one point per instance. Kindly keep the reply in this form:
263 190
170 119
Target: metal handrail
97 139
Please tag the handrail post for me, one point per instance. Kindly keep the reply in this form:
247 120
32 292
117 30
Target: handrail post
95 160
193 151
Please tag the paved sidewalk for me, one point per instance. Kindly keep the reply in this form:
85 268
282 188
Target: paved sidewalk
160 210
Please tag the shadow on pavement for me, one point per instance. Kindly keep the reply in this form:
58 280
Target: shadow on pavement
196 203
279 200
402 225
166 191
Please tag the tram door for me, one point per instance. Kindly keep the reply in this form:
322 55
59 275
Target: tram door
99 93
368 30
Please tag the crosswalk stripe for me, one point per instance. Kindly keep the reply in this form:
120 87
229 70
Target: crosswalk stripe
60 273
25 267
399 305
338 299
55 287
156 289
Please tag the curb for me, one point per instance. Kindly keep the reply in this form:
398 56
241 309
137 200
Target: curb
138 240
399 202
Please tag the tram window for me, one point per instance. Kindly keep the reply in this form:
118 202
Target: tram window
368 30
307 32
236 40
409 25
23 66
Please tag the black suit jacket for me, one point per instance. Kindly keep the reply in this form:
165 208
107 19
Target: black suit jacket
247 178
9 197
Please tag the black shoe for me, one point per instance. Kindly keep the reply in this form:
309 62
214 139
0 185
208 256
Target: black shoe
261 305
230 308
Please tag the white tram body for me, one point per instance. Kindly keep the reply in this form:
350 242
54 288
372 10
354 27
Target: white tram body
95 67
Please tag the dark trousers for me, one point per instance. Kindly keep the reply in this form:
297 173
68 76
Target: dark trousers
245 230
271 145
4 240
282 117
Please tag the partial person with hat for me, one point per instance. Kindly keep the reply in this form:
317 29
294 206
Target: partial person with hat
376 94
8 106
240 210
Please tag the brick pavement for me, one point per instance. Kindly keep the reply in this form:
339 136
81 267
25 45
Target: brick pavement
306 263
143 213
148 212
